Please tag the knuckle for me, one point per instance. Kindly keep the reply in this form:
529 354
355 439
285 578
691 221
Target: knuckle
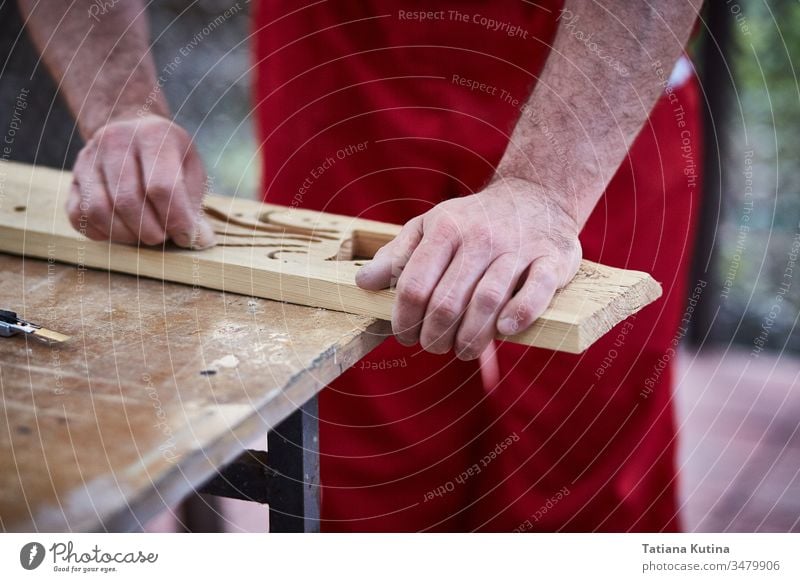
114 138
412 291
126 203
445 313
446 228
159 188
399 257
96 215
546 277
480 235
488 298
564 244
165 133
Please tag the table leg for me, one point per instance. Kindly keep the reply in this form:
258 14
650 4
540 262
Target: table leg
294 485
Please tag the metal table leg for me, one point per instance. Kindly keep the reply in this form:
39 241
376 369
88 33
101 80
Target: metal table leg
286 476
293 491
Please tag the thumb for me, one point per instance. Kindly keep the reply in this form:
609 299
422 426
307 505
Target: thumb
203 236
385 268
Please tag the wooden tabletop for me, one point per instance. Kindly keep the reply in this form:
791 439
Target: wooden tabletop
160 385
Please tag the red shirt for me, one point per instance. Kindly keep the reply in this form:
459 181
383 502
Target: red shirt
384 109
338 74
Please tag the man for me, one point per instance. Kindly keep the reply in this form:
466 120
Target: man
504 136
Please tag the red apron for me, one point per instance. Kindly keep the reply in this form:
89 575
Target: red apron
370 109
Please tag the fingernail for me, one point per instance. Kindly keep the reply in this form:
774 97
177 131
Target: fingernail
404 341
203 236
466 356
362 274
368 278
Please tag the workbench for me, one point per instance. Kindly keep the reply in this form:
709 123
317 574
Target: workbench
156 395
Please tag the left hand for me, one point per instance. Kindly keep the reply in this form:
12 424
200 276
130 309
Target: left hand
477 265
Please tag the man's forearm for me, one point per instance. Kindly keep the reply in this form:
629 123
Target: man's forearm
100 58
596 91
136 180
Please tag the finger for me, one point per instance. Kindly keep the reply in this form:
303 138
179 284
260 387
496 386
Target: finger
194 175
419 278
78 201
195 178
123 176
77 210
449 301
385 267
531 300
491 294
166 191
103 204
95 217
195 183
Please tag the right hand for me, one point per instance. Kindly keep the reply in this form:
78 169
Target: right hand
140 180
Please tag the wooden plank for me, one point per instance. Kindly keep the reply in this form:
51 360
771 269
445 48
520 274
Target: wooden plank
159 387
292 255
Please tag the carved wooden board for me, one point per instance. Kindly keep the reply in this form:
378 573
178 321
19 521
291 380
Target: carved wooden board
289 254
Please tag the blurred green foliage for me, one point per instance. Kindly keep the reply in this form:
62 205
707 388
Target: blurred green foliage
763 117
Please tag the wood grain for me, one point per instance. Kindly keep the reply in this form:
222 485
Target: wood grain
160 386
291 255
